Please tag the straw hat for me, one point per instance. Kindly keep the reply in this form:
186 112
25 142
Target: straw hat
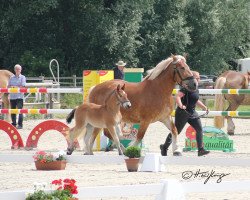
121 63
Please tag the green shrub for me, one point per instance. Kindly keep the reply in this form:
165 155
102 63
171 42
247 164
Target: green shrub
69 101
133 152
54 195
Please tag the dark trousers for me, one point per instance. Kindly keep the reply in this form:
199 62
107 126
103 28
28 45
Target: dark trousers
16 104
181 118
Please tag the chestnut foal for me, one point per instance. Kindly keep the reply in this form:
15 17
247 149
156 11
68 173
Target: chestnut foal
90 115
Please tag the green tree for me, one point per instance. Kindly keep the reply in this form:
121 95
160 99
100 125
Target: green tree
27 32
164 31
218 28
94 34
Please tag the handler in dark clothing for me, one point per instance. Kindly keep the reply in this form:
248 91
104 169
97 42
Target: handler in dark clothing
185 112
118 70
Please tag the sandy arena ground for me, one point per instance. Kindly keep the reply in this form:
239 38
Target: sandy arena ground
19 176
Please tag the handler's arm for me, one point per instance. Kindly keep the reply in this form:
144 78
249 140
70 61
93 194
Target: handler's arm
201 105
179 95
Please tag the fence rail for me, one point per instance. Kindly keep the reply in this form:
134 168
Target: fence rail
67 111
80 90
220 91
71 81
41 90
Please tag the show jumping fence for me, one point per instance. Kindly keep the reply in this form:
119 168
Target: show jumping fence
80 90
33 139
164 190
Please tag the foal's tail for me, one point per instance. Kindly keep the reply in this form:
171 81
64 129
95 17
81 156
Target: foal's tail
219 102
70 116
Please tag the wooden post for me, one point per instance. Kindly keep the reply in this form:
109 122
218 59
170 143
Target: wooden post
42 78
74 80
51 104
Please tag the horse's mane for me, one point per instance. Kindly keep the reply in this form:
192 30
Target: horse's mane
109 96
160 67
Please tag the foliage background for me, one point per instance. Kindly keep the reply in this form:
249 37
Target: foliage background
95 34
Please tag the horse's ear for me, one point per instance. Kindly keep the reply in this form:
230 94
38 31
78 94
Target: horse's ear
118 87
123 87
248 73
185 55
174 57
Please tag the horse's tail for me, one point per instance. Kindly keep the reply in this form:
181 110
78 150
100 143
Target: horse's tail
219 102
70 116
246 82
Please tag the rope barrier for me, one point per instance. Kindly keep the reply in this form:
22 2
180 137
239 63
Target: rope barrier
67 111
220 91
35 111
80 90
41 90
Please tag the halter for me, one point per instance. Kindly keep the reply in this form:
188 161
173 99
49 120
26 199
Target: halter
176 71
119 99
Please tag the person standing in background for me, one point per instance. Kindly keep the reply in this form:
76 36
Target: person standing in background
16 99
118 70
118 74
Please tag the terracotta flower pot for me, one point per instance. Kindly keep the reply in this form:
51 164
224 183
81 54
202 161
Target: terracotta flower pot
132 164
55 165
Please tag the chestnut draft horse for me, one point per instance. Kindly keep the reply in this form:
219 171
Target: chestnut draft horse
4 81
90 115
152 98
230 80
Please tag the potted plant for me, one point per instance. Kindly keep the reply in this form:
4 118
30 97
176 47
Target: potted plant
65 189
133 153
48 161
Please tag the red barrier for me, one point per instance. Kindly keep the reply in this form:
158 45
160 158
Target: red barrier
14 135
35 134
45 126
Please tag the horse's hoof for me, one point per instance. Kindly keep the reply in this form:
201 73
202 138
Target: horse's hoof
177 153
163 150
86 153
109 149
69 153
230 133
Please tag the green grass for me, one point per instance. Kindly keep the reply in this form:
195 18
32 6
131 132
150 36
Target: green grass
210 104
244 108
69 101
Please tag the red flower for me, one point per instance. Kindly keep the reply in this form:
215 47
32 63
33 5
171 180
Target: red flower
57 182
66 184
